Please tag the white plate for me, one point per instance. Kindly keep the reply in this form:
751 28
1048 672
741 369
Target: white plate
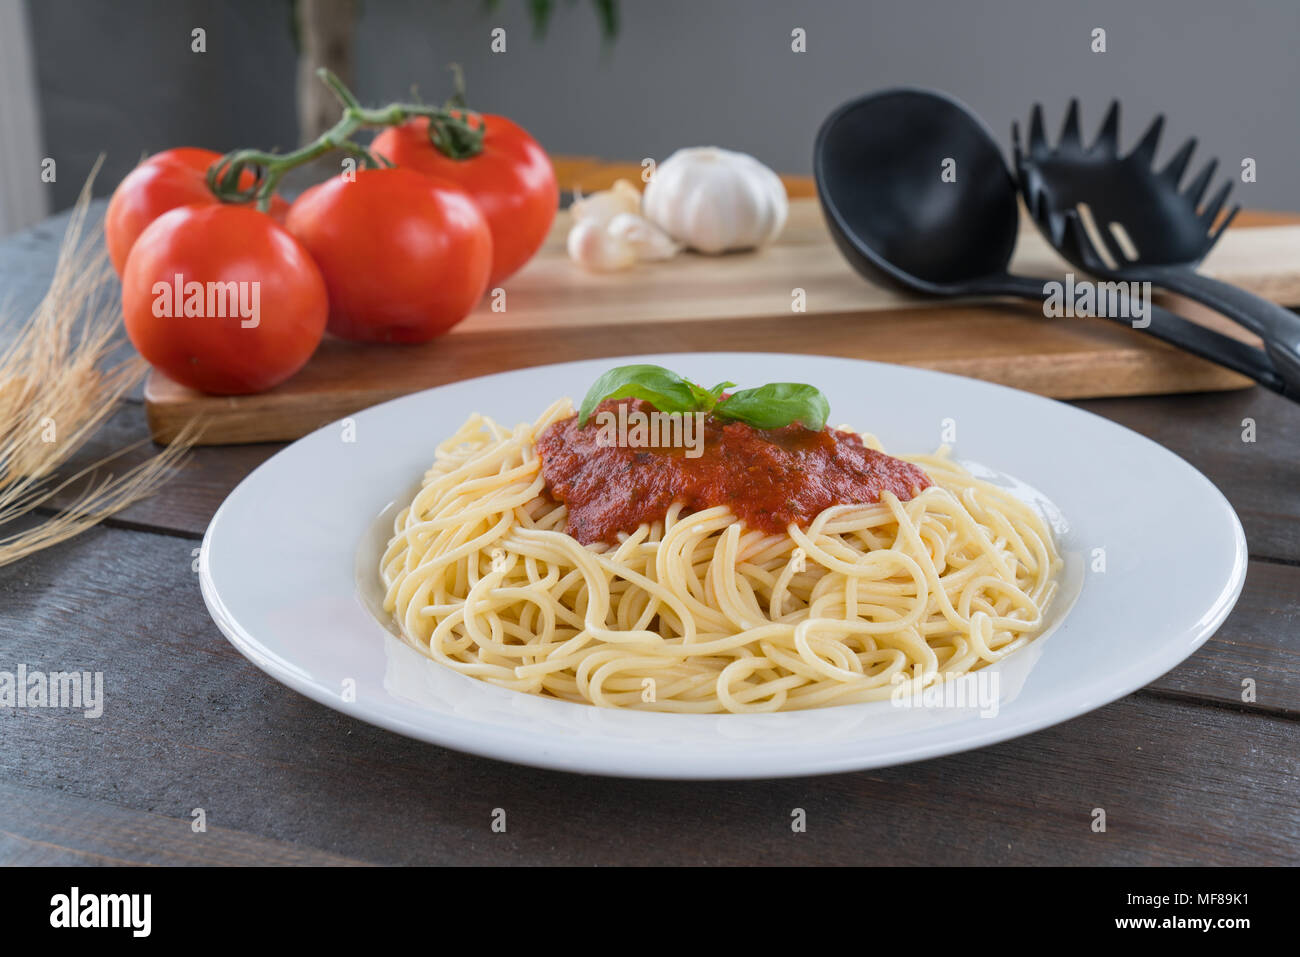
288 573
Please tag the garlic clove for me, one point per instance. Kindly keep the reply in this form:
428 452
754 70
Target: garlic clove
592 247
604 205
648 241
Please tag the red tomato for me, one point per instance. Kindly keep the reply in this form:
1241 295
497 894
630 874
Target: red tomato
163 181
511 180
260 309
405 257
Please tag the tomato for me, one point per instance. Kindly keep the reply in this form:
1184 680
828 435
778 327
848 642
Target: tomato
163 181
405 257
222 299
511 180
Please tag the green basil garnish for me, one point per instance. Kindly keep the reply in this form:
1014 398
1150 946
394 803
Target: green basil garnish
769 406
665 390
776 404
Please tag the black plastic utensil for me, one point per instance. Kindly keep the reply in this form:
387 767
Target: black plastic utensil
1149 229
879 164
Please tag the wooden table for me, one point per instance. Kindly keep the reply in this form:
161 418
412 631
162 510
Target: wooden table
1186 771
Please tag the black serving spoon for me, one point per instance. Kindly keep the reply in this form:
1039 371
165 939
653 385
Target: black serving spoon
918 196
1151 230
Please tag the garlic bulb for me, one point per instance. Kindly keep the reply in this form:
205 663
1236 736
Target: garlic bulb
715 200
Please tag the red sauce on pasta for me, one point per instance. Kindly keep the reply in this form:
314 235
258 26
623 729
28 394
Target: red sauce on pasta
768 478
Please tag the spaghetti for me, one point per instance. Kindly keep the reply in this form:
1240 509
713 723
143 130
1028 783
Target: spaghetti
699 611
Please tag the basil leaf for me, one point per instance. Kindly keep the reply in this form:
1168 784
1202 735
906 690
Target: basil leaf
777 404
665 390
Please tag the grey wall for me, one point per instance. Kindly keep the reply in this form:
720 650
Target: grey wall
120 76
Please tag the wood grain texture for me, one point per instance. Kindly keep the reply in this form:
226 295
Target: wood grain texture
1257 644
555 311
39 828
187 501
1178 783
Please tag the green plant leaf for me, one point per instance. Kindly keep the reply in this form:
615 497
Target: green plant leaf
539 11
777 404
607 14
662 388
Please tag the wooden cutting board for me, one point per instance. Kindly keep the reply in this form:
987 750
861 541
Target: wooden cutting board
552 311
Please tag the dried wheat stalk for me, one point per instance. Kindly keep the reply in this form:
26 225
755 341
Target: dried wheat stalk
57 387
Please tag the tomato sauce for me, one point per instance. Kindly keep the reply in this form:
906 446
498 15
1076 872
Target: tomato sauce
767 477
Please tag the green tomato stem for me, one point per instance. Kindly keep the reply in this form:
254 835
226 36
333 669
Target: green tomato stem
449 131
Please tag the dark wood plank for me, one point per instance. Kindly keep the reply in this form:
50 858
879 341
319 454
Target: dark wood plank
187 502
47 827
1261 479
189 723
27 261
1260 641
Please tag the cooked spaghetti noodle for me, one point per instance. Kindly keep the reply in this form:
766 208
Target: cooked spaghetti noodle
700 612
